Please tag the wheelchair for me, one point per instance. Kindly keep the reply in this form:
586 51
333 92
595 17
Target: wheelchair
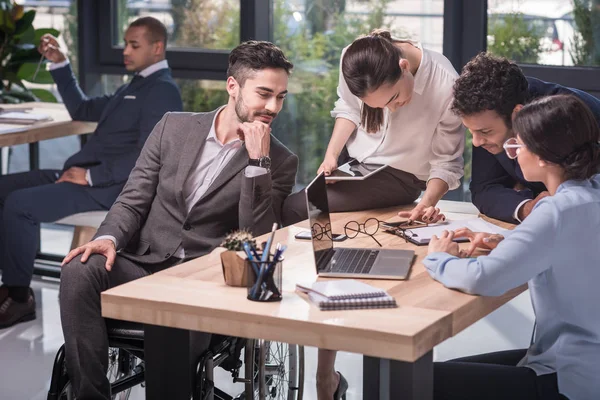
272 370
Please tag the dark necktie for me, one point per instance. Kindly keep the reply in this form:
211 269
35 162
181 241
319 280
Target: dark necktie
136 78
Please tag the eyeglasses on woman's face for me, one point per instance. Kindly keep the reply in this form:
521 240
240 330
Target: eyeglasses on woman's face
512 148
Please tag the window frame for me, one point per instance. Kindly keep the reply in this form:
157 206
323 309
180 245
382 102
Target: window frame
187 63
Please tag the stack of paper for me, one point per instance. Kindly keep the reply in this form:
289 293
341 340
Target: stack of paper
346 294
23 118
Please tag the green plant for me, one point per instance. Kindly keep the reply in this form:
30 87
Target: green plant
19 56
512 37
585 49
236 239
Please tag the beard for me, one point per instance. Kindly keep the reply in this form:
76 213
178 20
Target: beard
244 115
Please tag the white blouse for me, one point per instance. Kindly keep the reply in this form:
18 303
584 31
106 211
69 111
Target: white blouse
423 137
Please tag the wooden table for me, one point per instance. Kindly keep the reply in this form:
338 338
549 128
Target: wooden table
396 343
61 125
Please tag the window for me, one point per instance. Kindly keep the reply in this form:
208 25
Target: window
540 32
206 24
312 34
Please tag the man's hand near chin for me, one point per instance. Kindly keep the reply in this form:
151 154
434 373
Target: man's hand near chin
74 175
257 136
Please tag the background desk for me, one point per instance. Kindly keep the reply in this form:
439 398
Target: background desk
61 125
397 343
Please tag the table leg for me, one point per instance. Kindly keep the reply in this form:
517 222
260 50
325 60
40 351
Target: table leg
34 156
390 379
167 358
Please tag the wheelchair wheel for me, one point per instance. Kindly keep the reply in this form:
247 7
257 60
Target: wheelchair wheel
120 365
277 370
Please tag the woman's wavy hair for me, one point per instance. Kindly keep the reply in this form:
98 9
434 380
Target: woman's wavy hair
562 130
370 62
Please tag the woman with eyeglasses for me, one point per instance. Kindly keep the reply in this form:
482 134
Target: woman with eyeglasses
394 109
556 250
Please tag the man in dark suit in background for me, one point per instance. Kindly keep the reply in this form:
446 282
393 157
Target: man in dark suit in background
199 177
92 178
487 95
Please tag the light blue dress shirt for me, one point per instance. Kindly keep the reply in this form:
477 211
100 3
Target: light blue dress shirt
557 251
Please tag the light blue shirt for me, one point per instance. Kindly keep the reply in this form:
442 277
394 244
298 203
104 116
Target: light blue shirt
557 251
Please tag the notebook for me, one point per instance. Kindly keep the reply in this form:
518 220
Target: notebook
326 304
346 294
422 236
23 118
342 289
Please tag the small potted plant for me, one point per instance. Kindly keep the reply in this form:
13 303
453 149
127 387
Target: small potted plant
234 260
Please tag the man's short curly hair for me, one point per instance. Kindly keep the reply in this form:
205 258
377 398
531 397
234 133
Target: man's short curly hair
488 82
252 56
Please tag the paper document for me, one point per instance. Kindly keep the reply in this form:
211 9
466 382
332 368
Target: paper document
25 118
423 235
8 128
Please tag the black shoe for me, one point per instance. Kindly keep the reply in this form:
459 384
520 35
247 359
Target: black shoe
5 291
12 312
340 392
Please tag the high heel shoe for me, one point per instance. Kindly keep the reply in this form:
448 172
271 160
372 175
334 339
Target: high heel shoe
340 392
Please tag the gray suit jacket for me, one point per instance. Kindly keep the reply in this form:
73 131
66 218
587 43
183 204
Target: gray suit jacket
149 219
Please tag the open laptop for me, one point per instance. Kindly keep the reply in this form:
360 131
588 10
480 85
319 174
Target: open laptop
348 262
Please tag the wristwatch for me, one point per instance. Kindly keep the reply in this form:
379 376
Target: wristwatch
263 162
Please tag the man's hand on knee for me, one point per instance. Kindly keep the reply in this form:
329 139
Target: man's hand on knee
105 247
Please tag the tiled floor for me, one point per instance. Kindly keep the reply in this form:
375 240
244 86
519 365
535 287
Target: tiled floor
27 350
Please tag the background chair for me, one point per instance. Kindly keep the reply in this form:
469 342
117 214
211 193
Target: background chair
86 224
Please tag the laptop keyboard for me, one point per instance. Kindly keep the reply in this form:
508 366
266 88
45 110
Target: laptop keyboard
352 261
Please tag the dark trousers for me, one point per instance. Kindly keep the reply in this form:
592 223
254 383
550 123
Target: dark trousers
387 188
26 200
493 376
84 329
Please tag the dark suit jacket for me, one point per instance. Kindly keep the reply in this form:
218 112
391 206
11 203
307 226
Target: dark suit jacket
149 220
125 119
495 176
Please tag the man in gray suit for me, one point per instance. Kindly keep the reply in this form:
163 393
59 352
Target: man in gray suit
198 177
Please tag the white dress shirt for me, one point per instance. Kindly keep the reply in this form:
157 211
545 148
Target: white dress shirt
423 137
213 158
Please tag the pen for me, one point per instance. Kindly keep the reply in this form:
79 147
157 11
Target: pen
50 46
264 262
267 249
247 248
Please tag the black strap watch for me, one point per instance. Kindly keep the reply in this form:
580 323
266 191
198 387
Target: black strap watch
263 162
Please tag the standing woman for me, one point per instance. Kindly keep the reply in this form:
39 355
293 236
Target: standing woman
394 109
555 250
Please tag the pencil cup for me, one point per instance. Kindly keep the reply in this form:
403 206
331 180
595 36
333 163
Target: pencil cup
264 281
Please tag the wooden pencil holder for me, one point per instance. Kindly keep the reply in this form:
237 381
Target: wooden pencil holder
235 268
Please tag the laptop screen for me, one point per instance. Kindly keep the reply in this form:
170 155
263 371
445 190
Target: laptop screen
320 223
